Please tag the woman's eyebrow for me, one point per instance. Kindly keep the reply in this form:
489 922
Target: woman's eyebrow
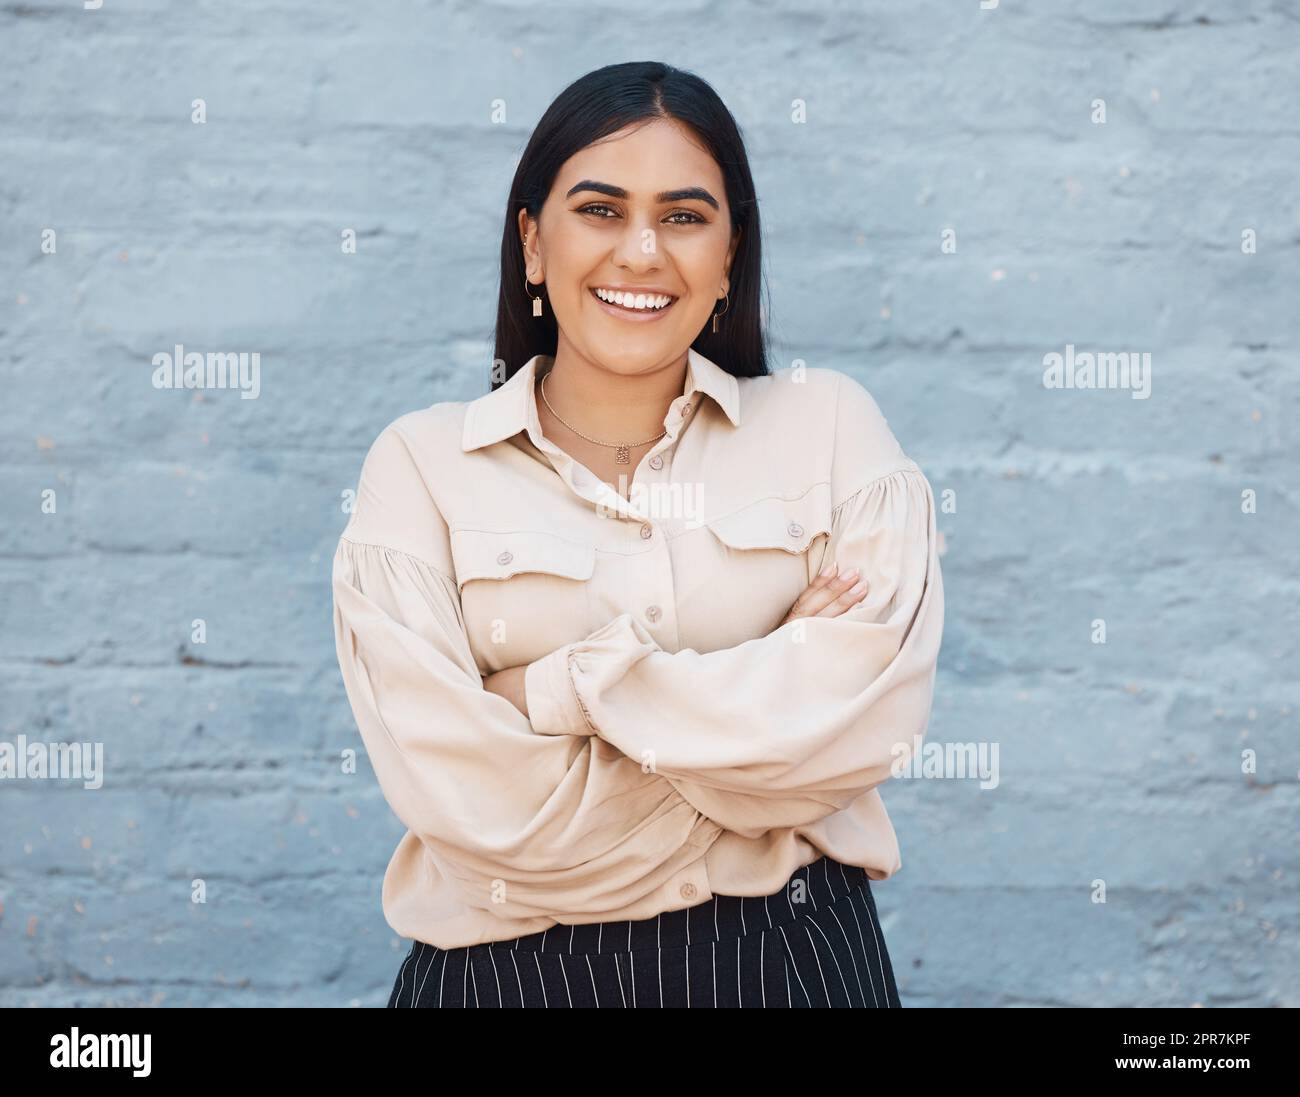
682 195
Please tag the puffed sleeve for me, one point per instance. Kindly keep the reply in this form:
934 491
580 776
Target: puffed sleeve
525 824
786 728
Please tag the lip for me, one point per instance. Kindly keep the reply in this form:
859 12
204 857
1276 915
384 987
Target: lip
635 316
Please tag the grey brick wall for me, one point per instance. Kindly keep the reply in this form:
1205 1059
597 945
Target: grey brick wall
1123 760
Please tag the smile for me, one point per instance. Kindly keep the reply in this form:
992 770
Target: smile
633 306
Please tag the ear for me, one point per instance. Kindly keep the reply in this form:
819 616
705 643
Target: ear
529 241
731 251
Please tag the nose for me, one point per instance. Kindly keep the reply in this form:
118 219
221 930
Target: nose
638 245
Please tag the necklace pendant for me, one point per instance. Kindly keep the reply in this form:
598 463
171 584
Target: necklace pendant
623 456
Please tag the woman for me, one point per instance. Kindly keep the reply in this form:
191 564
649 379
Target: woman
632 639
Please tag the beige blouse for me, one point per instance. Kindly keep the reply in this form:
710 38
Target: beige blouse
678 744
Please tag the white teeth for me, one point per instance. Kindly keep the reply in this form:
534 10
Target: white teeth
637 301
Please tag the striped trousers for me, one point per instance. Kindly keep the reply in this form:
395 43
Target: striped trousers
815 943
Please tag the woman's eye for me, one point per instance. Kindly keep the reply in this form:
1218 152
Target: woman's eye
605 213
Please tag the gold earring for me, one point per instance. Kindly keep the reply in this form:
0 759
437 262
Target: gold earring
726 306
537 301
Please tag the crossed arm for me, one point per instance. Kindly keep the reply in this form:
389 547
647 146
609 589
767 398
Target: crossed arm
829 595
783 729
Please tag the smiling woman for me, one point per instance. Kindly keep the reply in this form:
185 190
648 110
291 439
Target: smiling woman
656 246
633 638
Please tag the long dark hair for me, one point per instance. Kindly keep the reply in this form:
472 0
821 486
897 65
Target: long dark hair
595 106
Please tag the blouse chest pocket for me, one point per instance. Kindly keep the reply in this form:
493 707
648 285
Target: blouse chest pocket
766 552
791 525
523 593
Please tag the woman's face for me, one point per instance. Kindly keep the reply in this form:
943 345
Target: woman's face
644 210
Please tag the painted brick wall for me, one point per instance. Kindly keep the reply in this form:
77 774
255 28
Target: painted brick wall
953 211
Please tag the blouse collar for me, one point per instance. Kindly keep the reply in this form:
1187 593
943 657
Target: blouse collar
507 410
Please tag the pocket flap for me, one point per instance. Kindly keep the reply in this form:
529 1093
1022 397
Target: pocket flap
774 522
489 554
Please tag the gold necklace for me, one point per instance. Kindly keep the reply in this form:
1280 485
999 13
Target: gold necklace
623 456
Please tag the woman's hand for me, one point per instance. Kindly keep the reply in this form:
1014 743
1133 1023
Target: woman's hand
509 683
829 595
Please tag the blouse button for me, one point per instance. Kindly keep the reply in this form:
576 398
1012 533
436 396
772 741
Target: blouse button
647 531
505 557
688 891
686 410
794 529
652 614
656 462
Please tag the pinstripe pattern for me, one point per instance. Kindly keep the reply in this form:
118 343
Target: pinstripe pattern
728 952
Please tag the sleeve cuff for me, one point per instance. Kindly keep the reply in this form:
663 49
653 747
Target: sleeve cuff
552 698
555 703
